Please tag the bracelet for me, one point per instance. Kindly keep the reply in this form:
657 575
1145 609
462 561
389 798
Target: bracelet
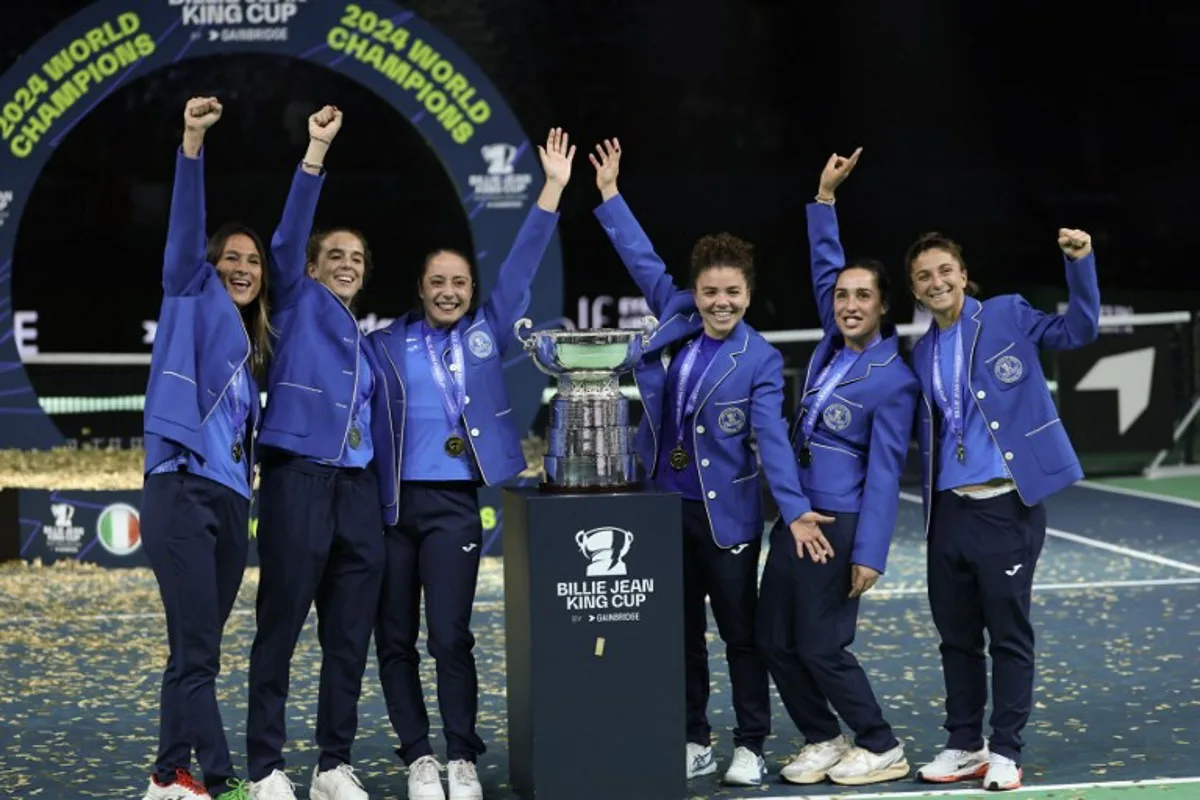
310 165
319 139
828 202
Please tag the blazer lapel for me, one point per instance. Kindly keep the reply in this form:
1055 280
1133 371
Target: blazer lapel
723 362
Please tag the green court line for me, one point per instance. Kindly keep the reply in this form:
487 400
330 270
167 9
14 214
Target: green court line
1185 487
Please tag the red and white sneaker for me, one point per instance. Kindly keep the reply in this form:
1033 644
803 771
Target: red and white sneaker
182 787
1002 774
951 766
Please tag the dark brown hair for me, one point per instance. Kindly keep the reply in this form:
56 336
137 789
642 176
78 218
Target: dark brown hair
723 250
257 315
313 250
937 241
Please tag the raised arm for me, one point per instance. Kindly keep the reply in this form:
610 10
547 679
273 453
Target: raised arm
288 244
824 243
509 298
633 246
184 257
1081 323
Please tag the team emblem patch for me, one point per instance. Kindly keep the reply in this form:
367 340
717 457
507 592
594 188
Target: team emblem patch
1008 369
480 344
837 417
732 420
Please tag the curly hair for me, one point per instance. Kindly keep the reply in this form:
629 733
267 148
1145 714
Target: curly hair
723 250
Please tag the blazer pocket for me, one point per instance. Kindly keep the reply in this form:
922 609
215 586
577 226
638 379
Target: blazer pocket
1008 368
733 417
1051 447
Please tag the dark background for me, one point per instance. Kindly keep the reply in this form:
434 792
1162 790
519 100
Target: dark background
995 123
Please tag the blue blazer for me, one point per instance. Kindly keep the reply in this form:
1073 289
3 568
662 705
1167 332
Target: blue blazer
487 332
741 395
201 342
313 378
860 441
1005 380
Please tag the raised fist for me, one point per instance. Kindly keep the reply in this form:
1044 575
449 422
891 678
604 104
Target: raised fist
325 124
201 113
1075 244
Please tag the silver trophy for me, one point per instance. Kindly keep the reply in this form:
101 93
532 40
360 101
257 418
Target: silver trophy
589 441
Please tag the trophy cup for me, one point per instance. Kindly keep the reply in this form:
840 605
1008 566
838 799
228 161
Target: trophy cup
588 439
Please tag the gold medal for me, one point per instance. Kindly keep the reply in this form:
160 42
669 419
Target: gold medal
455 446
355 436
805 456
679 458
237 452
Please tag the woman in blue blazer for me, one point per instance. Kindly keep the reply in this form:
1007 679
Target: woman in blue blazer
201 418
992 449
320 524
851 437
708 419
444 370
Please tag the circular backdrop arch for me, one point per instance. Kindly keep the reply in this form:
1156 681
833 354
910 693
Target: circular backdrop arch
376 43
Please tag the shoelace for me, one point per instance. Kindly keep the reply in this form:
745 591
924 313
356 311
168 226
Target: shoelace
426 770
238 790
464 772
184 778
348 771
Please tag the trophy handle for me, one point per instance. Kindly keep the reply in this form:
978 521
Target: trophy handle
528 342
649 326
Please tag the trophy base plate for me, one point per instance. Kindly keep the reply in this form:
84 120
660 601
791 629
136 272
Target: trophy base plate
555 488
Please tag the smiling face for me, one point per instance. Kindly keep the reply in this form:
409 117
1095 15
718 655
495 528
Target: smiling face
446 288
939 281
340 264
240 265
722 297
858 306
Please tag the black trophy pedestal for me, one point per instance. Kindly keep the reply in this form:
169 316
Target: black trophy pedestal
593 595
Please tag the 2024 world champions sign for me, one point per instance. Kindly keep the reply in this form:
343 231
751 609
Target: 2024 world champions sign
376 43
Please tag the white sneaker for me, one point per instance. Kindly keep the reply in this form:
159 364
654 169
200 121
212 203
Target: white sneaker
700 760
275 786
1002 774
425 779
814 760
464 781
859 767
339 783
951 766
183 787
746 769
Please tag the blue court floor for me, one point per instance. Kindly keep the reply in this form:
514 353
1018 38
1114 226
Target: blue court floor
1117 699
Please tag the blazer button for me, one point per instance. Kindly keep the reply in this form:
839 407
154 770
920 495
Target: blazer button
1008 456
981 394
712 495
466 399
995 425
474 431
704 462
699 429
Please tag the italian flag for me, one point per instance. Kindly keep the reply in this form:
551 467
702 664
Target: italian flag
119 529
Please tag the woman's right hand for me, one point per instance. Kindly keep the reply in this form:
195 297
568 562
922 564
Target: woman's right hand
200 114
837 169
607 167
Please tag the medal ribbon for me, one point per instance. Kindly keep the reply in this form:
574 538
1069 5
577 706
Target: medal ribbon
952 412
682 410
826 383
239 411
453 404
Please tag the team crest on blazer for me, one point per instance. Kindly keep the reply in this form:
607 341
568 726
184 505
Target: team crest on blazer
1008 369
480 344
836 416
732 420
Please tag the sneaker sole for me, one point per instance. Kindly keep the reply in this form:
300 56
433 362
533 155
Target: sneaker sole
709 770
805 778
891 773
978 772
727 781
995 787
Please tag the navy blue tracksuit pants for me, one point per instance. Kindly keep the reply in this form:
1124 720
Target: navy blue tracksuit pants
435 547
981 559
320 537
806 622
196 533
728 577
